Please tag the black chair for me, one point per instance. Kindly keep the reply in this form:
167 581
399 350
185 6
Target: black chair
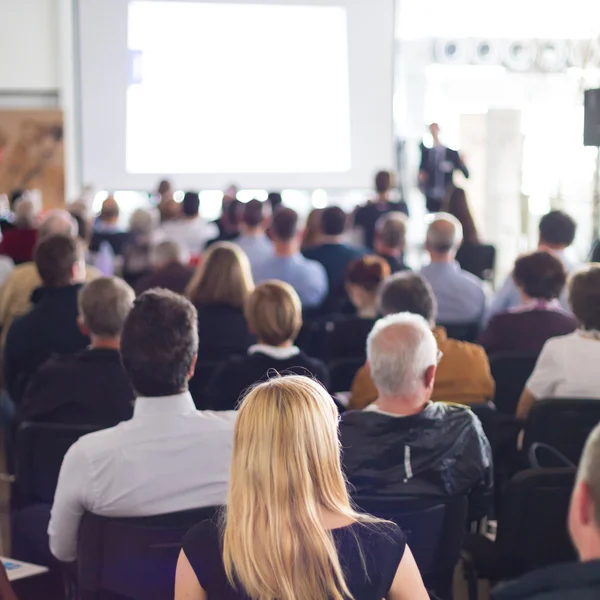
478 259
532 529
464 332
197 384
563 424
40 449
510 371
434 529
133 558
342 372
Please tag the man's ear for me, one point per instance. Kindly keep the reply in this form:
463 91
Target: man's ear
429 377
584 505
82 326
192 367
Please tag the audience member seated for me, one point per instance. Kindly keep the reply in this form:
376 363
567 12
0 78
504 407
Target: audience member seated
253 239
17 291
51 325
169 457
137 253
289 531
460 296
229 223
556 233
311 236
89 387
348 338
404 444
367 215
107 230
568 365
274 314
218 290
334 253
463 374
572 581
540 277
390 240
168 209
170 269
307 277
19 240
190 230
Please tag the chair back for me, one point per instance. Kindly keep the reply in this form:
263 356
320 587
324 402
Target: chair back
39 452
463 332
562 423
532 523
510 371
478 259
434 530
134 557
342 372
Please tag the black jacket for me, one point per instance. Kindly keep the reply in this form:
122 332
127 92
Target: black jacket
49 328
442 451
86 388
572 581
449 162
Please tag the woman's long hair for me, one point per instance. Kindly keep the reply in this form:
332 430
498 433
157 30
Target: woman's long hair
457 205
285 470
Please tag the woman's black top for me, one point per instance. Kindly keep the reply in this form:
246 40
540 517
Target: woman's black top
381 546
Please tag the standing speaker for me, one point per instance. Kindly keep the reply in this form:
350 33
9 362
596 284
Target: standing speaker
591 127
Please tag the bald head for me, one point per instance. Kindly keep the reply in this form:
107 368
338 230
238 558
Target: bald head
58 222
400 350
444 235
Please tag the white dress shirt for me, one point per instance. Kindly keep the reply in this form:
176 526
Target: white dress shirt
191 234
169 457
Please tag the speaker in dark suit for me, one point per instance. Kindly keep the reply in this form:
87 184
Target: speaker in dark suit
436 171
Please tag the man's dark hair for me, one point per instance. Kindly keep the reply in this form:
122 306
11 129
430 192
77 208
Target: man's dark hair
383 182
191 204
15 196
408 292
333 221
54 258
254 213
285 224
234 209
159 343
557 228
275 200
540 275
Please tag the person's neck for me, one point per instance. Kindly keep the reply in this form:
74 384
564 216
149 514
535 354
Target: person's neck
286 344
389 251
331 239
590 549
439 257
553 248
190 217
369 311
401 405
285 248
253 231
383 197
103 343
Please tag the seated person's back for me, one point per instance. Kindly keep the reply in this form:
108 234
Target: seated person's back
89 387
51 325
403 444
460 296
540 277
169 457
18 241
107 230
390 240
170 269
274 315
253 239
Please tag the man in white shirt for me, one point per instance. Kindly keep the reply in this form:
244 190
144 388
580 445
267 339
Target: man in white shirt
190 231
169 457
253 240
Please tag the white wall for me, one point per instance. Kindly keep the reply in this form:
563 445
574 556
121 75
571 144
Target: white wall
29 45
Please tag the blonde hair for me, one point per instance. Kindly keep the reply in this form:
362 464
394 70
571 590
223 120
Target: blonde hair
224 276
274 312
285 470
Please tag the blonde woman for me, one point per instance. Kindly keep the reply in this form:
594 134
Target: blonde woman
219 289
289 531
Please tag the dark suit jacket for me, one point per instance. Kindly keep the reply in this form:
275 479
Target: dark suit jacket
429 165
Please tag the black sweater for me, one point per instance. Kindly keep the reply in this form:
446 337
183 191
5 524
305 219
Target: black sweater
232 378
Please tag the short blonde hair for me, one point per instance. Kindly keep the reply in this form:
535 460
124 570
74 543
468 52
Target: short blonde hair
274 312
223 277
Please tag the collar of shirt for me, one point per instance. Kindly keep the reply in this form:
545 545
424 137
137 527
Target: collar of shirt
442 266
374 408
537 304
274 352
178 404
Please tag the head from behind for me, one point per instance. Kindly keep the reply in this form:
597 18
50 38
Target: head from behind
539 276
584 297
109 213
255 216
285 471
312 231
275 200
584 514
143 222
223 277
285 229
408 292
164 187
159 343
363 280
59 261
190 205
333 222
434 129
103 307
274 313
384 181
557 230
57 222
390 234
25 213
402 357
444 236
168 253
458 206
